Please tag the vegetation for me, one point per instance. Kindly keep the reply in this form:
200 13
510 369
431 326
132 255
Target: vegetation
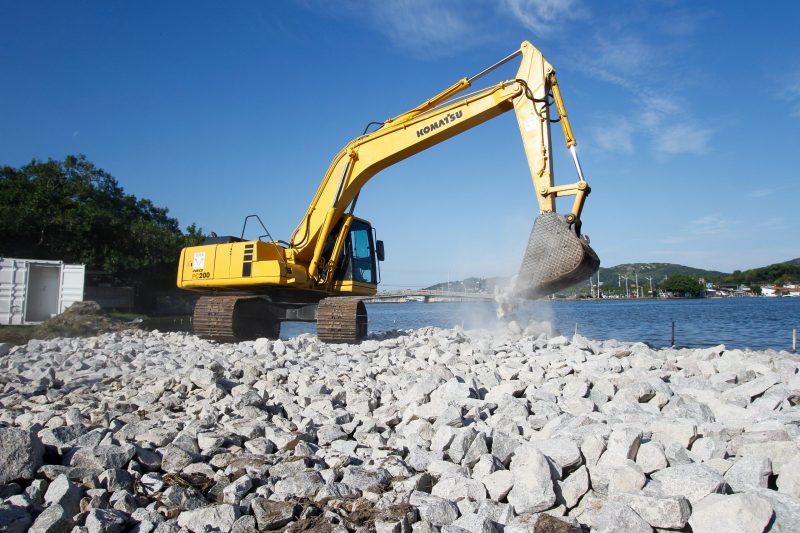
72 211
680 284
778 274
657 271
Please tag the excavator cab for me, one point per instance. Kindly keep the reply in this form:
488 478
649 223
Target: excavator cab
359 261
356 269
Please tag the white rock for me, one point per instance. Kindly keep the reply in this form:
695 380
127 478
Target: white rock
692 481
219 517
737 513
533 486
789 480
749 473
616 516
659 511
498 484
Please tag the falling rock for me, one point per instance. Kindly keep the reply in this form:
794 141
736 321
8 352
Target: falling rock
533 487
662 512
692 481
434 509
737 513
21 454
751 473
616 516
215 517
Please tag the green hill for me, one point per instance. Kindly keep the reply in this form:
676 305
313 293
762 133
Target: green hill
778 273
658 271
612 281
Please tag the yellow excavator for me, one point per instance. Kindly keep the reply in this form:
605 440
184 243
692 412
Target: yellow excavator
249 286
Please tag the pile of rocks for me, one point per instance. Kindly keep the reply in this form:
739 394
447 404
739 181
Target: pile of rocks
425 430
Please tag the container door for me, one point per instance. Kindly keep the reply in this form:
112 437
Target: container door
12 291
43 292
72 278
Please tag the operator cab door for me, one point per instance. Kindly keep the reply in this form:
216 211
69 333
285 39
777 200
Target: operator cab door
358 263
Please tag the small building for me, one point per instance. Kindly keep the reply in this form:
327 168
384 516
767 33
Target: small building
34 290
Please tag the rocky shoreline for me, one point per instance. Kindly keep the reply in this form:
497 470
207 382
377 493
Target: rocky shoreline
427 430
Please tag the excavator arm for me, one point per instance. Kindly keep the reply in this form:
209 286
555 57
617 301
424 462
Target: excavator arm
559 248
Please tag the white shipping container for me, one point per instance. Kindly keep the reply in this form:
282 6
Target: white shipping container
34 290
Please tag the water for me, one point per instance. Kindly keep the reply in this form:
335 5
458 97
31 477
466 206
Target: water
757 323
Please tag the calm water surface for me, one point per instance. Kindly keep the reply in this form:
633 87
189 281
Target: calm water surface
757 323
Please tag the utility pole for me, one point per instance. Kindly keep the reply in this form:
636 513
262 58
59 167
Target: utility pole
650 279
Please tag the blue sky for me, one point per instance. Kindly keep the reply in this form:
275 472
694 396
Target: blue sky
687 116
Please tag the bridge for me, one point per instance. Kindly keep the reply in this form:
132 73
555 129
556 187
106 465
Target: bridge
427 296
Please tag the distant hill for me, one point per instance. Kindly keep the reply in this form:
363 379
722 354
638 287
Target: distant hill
788 271
778 273
658 271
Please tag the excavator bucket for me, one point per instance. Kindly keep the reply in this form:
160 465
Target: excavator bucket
556 258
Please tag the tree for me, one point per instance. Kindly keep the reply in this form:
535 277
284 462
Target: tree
73 211
681 284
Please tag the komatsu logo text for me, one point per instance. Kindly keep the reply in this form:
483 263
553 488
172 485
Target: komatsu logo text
436 124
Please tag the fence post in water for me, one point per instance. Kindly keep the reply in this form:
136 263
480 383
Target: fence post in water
673 333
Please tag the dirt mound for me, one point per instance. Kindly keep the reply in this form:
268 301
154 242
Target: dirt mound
81 319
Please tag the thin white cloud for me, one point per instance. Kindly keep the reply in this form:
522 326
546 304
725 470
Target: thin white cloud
772 222
683 139
712 224
419 25
790 93
543 17
423 28
760 193
614 135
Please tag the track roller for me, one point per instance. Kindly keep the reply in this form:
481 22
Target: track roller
341 320
234 318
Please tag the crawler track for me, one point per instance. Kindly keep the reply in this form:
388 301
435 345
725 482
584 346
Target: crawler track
233 318
341 320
